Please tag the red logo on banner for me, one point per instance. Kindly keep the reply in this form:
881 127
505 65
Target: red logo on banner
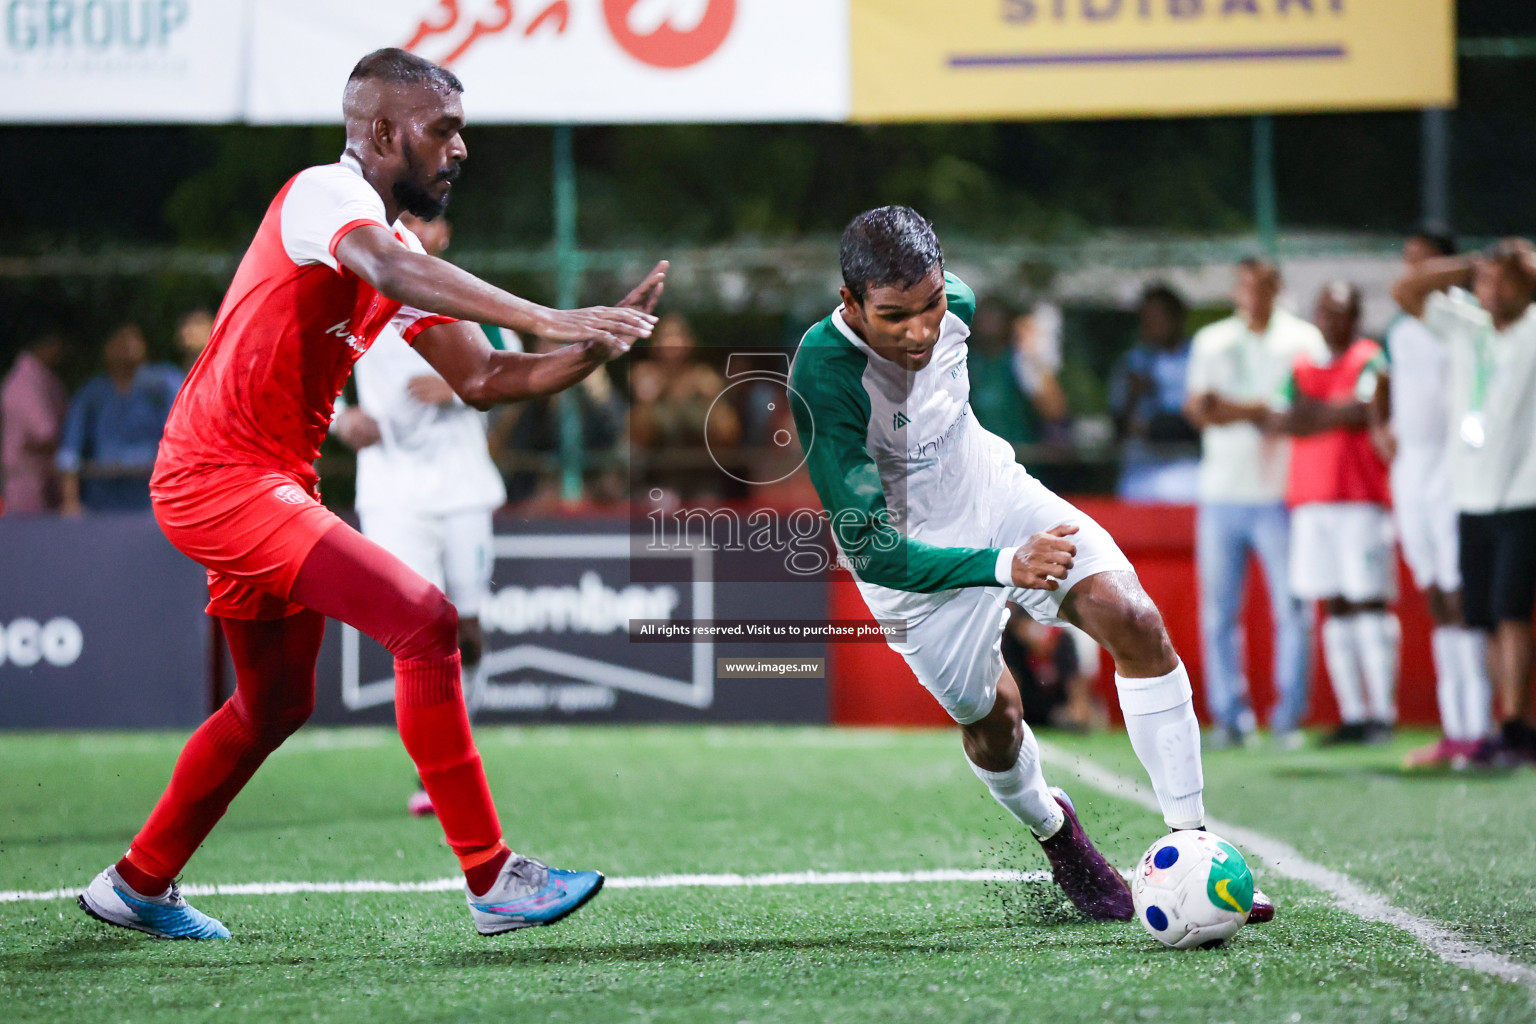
554 17
645 29
661 33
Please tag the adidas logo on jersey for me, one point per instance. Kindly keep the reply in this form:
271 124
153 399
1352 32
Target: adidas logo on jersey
900 420
290 495
343 331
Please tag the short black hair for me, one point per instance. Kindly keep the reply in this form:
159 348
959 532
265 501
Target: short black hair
1172 302
1260 265
1442 243
402 67
889 245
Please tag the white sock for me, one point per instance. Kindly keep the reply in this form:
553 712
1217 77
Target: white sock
1343 668
1378 637
1022 790
1476 690
1445 643
1160 720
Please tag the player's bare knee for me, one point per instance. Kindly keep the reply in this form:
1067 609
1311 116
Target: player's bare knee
993 741
1137 638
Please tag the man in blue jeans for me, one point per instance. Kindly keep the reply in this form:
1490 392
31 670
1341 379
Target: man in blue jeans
1236 368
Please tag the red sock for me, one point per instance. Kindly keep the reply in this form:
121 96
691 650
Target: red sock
350 578
434 726
275 690
483 875
141 881
216 763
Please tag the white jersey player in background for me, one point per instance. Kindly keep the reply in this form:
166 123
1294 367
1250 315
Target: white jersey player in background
426 485
1412 427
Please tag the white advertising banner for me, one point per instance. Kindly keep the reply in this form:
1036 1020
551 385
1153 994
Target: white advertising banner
121 60
566 60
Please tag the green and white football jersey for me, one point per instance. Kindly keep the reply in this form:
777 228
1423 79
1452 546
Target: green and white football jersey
909 479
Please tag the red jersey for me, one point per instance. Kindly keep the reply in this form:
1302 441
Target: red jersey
1342 464
291 326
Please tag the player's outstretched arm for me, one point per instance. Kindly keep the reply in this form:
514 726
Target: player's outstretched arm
1413 289
484 377
437 286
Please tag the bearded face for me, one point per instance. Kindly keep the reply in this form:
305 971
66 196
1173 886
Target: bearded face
421 190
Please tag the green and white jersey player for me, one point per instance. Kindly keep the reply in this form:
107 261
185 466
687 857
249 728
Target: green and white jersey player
942 527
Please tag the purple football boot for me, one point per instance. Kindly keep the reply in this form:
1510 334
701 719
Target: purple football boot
1090 882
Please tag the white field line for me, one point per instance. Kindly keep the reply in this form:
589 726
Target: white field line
1287 862
721 881
1282 858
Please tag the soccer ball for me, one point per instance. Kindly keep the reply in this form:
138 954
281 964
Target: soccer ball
1192 889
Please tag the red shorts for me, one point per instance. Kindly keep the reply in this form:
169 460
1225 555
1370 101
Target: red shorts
251 528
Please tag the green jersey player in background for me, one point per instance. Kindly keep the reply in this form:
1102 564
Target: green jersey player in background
942 527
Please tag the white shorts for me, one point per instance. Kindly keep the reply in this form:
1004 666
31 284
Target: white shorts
955 650
452 551
1426 517
1342 549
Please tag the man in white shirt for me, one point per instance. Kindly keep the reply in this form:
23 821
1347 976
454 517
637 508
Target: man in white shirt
1236 367
1492 428
426 485
1411 423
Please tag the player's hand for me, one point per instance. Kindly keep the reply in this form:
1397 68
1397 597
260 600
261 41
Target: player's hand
1385 442
1305 417
430 389
356 429
1526 254
647 293
1044 560
611 329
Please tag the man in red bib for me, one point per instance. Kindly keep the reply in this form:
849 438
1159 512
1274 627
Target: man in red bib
234 488
1341 526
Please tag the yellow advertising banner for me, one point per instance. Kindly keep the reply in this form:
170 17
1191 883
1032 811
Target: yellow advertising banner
990 59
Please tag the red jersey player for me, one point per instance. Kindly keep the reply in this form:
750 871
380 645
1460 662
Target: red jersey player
234 488
1341 520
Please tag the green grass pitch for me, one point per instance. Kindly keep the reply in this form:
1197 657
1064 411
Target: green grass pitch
1458 849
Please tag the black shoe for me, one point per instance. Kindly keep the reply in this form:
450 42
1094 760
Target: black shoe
1349 732
1519 738
1377 732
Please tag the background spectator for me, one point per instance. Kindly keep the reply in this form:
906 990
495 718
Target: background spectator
192 333
1236 367
32 406
1412 428
1037 368
1013 361
674 411
1055 668
1146 398
525 440
1493 459
1341 523
996 397
113 429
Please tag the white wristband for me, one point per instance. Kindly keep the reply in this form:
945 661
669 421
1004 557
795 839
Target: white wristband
1004 570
